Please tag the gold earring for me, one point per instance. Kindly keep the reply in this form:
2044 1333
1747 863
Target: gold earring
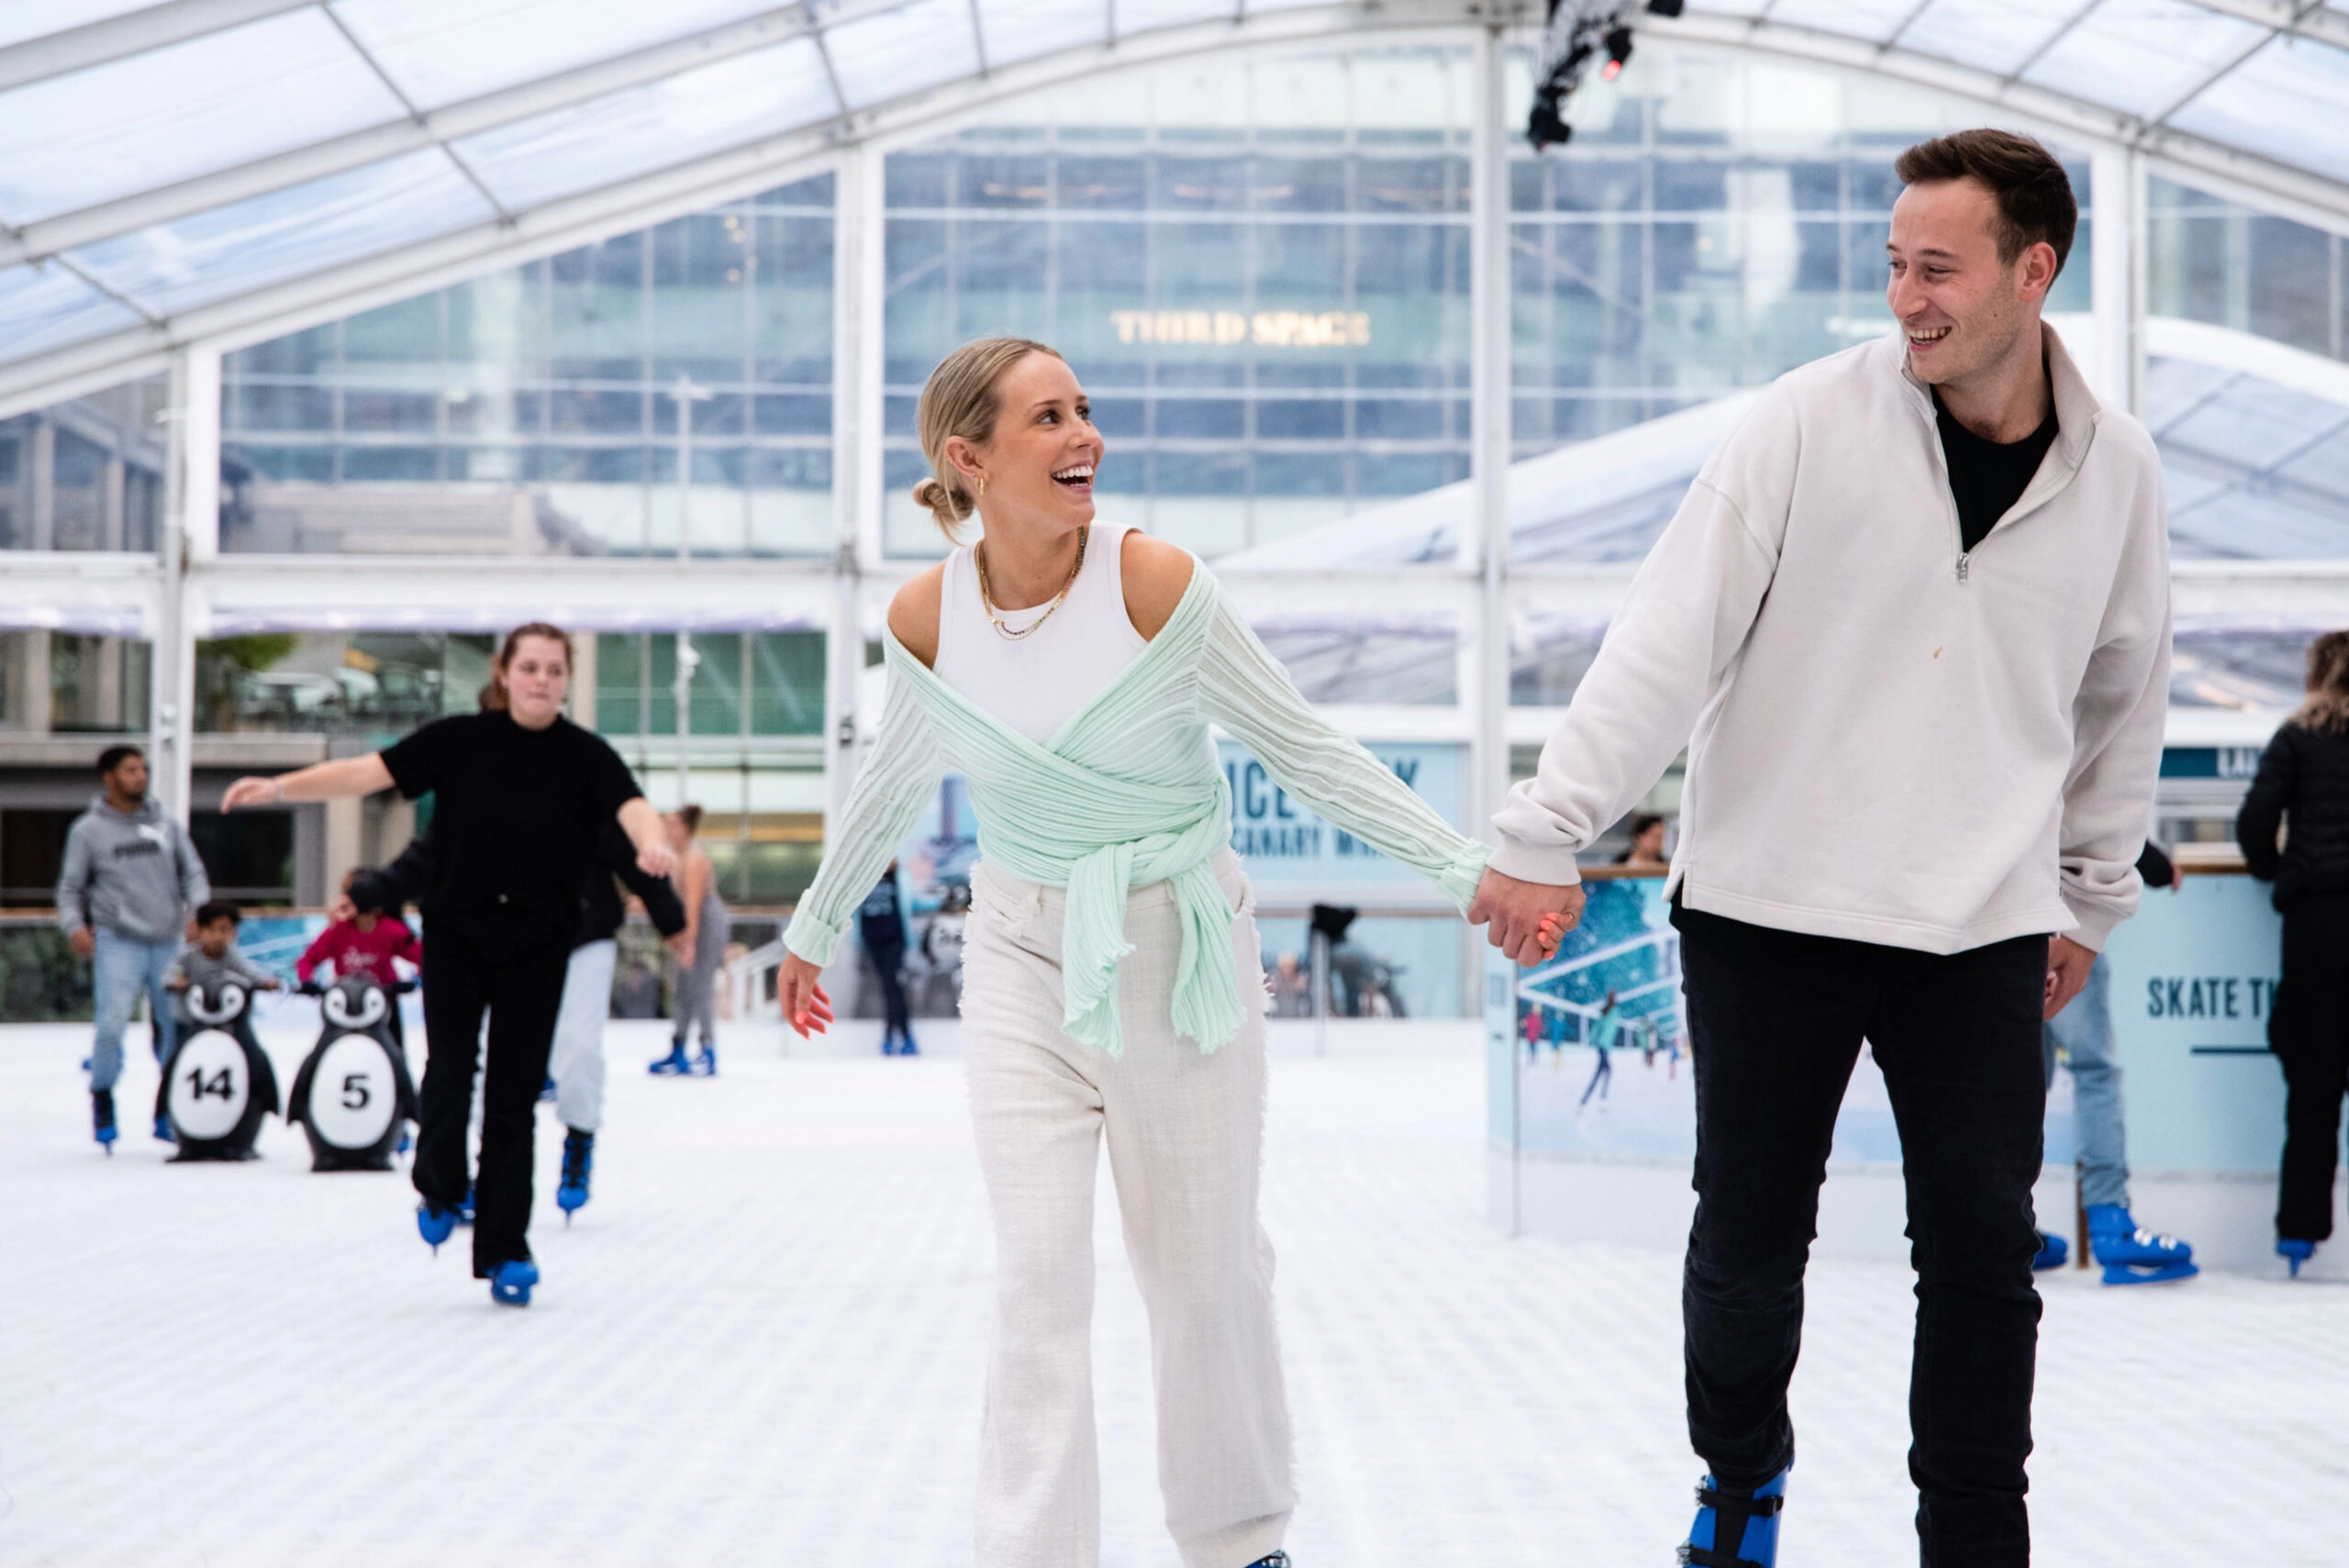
983 487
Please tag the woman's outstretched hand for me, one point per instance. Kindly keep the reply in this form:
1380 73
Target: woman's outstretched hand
805 1006
251 792
656 860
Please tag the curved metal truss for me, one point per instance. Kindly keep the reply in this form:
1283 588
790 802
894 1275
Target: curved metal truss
230 170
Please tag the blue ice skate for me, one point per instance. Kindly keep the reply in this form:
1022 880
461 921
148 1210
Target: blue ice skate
2295 1251
435 1225
674 1065
510 1283
1734 1529
164 1133
1277 1559
906 1047
102 1125
464 1210
578 1163
2131 1254
2053 1253
706 1065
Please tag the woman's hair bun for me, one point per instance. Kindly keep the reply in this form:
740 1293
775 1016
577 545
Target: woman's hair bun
941 503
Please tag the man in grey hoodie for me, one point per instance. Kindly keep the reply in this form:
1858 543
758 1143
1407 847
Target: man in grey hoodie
130 880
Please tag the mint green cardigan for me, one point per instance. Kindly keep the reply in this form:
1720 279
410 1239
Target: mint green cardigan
1127 793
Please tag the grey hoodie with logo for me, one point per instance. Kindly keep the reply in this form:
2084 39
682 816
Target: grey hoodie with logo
134 873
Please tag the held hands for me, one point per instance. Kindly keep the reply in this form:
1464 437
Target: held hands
1525 919
252 792
805 1006
2067 972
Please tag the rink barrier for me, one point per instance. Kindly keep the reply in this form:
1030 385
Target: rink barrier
1581 1154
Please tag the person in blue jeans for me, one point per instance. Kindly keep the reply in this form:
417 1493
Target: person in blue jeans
2083 1031
129 882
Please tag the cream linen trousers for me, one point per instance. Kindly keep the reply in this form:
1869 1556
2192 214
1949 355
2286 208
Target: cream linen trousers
1186 1134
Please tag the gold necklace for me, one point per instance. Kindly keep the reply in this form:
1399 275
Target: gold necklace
986 595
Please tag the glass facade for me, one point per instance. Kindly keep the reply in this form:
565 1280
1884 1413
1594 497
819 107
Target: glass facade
536 411
1715 221
1259 269
86 473
2211 260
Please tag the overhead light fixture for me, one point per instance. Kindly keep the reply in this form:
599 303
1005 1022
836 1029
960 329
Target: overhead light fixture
1619 53
1575 33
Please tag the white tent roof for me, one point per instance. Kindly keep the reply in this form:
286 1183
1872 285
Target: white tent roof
216 170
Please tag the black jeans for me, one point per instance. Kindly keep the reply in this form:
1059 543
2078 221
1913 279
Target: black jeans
2310 1034
514 971
1775 1022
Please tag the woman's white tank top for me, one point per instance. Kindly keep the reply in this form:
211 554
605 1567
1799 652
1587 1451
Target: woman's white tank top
1039 683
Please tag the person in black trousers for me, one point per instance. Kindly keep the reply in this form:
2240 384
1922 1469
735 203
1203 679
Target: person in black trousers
881 925
577 1064
2304 775
520 794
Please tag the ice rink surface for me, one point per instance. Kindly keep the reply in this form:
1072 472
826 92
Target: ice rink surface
763 1342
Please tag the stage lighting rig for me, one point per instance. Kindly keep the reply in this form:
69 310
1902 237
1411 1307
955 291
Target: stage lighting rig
1577 32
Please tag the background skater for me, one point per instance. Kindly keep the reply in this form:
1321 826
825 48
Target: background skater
129 881
520 797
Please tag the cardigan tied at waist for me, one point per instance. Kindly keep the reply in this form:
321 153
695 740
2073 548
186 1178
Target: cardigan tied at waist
1100 842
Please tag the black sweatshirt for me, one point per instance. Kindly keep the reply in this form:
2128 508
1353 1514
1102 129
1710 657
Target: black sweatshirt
600 912
516 813
2305 773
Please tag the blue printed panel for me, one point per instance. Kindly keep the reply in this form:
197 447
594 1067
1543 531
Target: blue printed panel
2193 982
2194 979
1588 1052
1286 846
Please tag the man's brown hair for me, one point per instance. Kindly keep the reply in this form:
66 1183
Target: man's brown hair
2034 195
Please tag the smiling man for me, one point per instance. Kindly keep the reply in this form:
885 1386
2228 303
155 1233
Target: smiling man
1912 626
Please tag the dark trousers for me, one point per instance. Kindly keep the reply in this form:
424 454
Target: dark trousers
889 964
515 973
2310 1034
1775 1023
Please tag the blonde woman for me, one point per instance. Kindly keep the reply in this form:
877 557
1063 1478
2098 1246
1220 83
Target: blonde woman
1069 669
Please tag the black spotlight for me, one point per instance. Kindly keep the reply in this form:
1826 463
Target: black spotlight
1575 33
1619 53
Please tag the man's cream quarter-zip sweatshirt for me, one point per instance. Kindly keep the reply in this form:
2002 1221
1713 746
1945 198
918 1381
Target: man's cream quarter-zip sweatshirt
1891 738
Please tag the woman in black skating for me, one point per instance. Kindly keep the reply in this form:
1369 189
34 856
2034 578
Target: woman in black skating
2305 774
519 795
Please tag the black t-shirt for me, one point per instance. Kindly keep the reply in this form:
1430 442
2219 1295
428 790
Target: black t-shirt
1986 477
515 812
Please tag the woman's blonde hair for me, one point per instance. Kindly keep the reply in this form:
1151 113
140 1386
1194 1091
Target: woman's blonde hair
2327 707
960 399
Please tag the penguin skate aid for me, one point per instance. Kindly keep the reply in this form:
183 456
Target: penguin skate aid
1068 669
352 1095
520 794
219 1083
